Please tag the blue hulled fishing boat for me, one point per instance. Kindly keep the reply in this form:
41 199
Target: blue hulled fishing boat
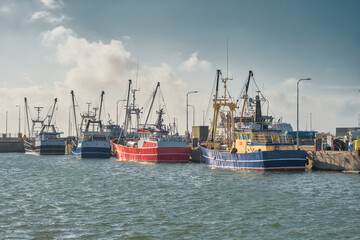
251 143
93 142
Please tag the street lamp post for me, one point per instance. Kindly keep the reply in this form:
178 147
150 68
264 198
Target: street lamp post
117 110
203 117
19 117
297 110
187 105
6 123
193 114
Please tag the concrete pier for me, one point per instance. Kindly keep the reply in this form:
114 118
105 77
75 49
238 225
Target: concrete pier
333 160
11 143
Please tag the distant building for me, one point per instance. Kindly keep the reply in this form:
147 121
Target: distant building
343 131
285 127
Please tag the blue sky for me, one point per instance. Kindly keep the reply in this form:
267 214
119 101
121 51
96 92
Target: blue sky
49 47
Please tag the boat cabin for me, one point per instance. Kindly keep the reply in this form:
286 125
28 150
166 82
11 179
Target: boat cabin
93 137
264 140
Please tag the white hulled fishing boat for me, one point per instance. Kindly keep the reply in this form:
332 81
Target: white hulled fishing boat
46 141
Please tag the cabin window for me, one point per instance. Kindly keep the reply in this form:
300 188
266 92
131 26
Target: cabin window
99 138
244 136
250 136
87 138
237 136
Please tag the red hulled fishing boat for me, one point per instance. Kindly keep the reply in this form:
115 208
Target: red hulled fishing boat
151 143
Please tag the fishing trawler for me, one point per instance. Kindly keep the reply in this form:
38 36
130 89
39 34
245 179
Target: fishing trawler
252 145
150 143
93 141
46 141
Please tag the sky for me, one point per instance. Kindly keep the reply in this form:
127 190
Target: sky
50 47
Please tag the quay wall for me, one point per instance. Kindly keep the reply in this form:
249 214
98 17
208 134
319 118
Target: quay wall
11 145
334 160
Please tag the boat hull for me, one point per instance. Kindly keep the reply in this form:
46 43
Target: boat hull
51 150
168 154
93 149
289 160
46 149
91 152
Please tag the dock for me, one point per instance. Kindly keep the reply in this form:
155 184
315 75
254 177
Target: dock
346 161
11 143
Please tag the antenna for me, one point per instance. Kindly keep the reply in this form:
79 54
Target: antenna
137 73
38 109
89 104
227 56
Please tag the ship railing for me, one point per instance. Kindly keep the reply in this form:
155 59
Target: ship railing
169 138
259 138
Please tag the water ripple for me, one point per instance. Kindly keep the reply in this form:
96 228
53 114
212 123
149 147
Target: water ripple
65 198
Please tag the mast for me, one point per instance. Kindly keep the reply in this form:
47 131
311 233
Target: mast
245 96
73 102
52 112
27 116
225 101
258 116
38 109
212 131
160 120
127 115
101 102
152 102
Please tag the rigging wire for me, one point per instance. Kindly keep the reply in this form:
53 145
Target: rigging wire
167 112
210 98
240 98
262 95
146 106
121 107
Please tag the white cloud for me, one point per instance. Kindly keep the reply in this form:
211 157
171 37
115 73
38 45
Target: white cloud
5 9
345 87
327 111
53 4
193 64
26 77
289 83
10 97
126 38
48 17
93 65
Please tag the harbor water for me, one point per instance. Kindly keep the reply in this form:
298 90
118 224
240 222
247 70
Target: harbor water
60 197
